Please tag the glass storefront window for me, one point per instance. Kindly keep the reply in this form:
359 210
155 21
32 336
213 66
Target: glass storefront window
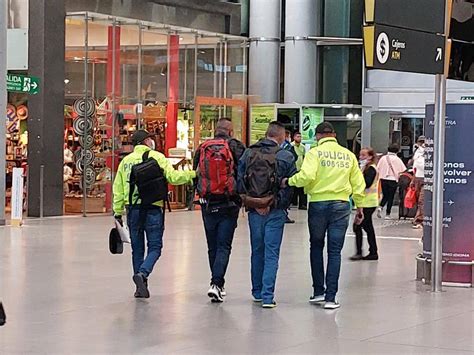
124 72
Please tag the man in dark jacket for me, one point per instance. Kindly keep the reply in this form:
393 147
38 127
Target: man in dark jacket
267 224
220 214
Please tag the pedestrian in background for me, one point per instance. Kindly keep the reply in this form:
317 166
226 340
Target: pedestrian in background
286 145
367 163
216 164
262 168
419 181
389 167
144 218
300 198
330 174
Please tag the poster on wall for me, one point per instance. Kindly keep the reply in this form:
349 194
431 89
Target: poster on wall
458 239
260 117
311 117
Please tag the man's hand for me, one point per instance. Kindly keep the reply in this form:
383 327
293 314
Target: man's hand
284 183
263 211
119 219
359 216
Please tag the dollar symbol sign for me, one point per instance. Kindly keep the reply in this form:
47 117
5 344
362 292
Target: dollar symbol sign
382 48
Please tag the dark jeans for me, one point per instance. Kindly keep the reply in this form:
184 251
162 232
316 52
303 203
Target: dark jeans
299 197
331 218
220 227
151 226
266 234
389 188
368 226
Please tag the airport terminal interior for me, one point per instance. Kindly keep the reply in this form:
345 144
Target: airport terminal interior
160 126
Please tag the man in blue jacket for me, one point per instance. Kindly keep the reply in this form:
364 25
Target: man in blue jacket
266 210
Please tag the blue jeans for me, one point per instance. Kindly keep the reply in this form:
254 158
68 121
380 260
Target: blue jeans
220 227
331 218
266 234
153 228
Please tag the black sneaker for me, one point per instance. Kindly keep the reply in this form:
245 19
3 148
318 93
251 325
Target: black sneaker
356 257
371 257
215 294
137 294
142 286
289 220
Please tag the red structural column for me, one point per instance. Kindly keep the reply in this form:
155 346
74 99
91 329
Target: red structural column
113 79
171 133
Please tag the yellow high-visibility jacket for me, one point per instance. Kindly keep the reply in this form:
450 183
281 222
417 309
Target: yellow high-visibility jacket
330 172
121 186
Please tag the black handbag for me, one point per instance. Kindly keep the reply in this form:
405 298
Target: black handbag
115 242
3 317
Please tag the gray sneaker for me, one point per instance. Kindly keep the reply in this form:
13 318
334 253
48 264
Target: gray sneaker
318 300
379 212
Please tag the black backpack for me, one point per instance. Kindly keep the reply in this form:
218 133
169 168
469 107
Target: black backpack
150 181
261 182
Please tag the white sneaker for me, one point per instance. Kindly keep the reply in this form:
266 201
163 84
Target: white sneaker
223 293
379 212
215 294
417 226
331 305
388 218
318 300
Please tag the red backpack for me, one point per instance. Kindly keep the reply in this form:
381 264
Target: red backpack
216 169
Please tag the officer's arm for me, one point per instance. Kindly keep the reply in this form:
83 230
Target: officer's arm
357 182
174 177
308 171
118 192
240 173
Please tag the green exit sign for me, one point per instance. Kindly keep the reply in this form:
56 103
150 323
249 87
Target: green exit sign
467 98
22 83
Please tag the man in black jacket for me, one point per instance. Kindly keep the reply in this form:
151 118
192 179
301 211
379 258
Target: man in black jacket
220 214
267 224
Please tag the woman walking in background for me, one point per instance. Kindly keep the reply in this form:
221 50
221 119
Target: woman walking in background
389 168
367 161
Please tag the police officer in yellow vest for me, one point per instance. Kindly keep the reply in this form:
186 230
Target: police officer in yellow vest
330 175
367 162
152 225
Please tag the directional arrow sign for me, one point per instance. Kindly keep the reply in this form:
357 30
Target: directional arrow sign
22 83
398 49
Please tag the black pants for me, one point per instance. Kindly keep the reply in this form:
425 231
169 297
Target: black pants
389 188
299 197
220 227
368 226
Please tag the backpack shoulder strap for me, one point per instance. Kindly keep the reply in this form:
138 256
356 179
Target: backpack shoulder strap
131 188
145 155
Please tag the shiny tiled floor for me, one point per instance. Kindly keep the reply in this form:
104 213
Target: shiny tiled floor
65 294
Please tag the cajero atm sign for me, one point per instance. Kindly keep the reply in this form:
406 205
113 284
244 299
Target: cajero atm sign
398 49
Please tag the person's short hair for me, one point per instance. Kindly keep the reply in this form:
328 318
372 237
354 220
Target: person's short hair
394 148
421 139
296 133
223 125
275 129
325 128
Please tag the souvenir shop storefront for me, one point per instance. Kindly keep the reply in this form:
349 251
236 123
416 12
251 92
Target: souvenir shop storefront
122 75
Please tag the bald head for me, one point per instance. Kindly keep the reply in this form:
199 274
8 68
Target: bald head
224 126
